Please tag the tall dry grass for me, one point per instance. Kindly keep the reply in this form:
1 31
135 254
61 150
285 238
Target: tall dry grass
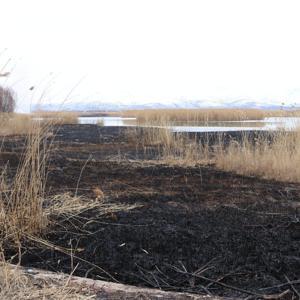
57 117
274 157
153 116
21 198
13 124
167 146
25 209
20 124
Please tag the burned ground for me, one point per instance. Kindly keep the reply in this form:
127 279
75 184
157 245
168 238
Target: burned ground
195 229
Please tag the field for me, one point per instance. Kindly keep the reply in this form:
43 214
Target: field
149 208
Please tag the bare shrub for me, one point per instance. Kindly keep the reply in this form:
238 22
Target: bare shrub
7 100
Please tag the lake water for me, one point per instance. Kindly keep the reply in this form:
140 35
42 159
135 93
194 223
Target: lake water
275 123
108 121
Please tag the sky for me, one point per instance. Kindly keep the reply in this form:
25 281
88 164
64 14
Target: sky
151 50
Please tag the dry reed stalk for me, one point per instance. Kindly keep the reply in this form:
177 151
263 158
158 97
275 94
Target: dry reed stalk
21 201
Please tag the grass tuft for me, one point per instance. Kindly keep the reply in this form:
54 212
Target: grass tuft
21 199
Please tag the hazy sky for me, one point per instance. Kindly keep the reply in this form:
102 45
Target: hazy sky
154 50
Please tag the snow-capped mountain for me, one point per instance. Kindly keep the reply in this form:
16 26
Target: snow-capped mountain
114 106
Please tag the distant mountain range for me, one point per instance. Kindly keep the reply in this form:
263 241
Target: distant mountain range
113 106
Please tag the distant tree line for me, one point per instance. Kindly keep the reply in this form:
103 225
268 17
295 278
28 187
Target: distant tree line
7 100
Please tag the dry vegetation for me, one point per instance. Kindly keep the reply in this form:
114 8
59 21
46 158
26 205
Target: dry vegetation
171 148
21 199
11 124
26 213
25 210
16 123
153 116
58 117
276 158
273 156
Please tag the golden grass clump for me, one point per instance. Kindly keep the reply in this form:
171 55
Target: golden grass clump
275 157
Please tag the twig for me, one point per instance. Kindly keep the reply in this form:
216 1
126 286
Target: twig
281 285
292 286
79 178
157 283
198 272
223 277
276 296
218 283
60 249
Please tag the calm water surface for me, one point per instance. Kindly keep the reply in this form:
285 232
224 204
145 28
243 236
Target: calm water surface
275 123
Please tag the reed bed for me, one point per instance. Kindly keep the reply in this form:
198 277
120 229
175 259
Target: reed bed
168 147
57 117
15 124
20 124
175 116
275 157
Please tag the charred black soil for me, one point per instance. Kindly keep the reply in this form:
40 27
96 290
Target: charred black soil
195 229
